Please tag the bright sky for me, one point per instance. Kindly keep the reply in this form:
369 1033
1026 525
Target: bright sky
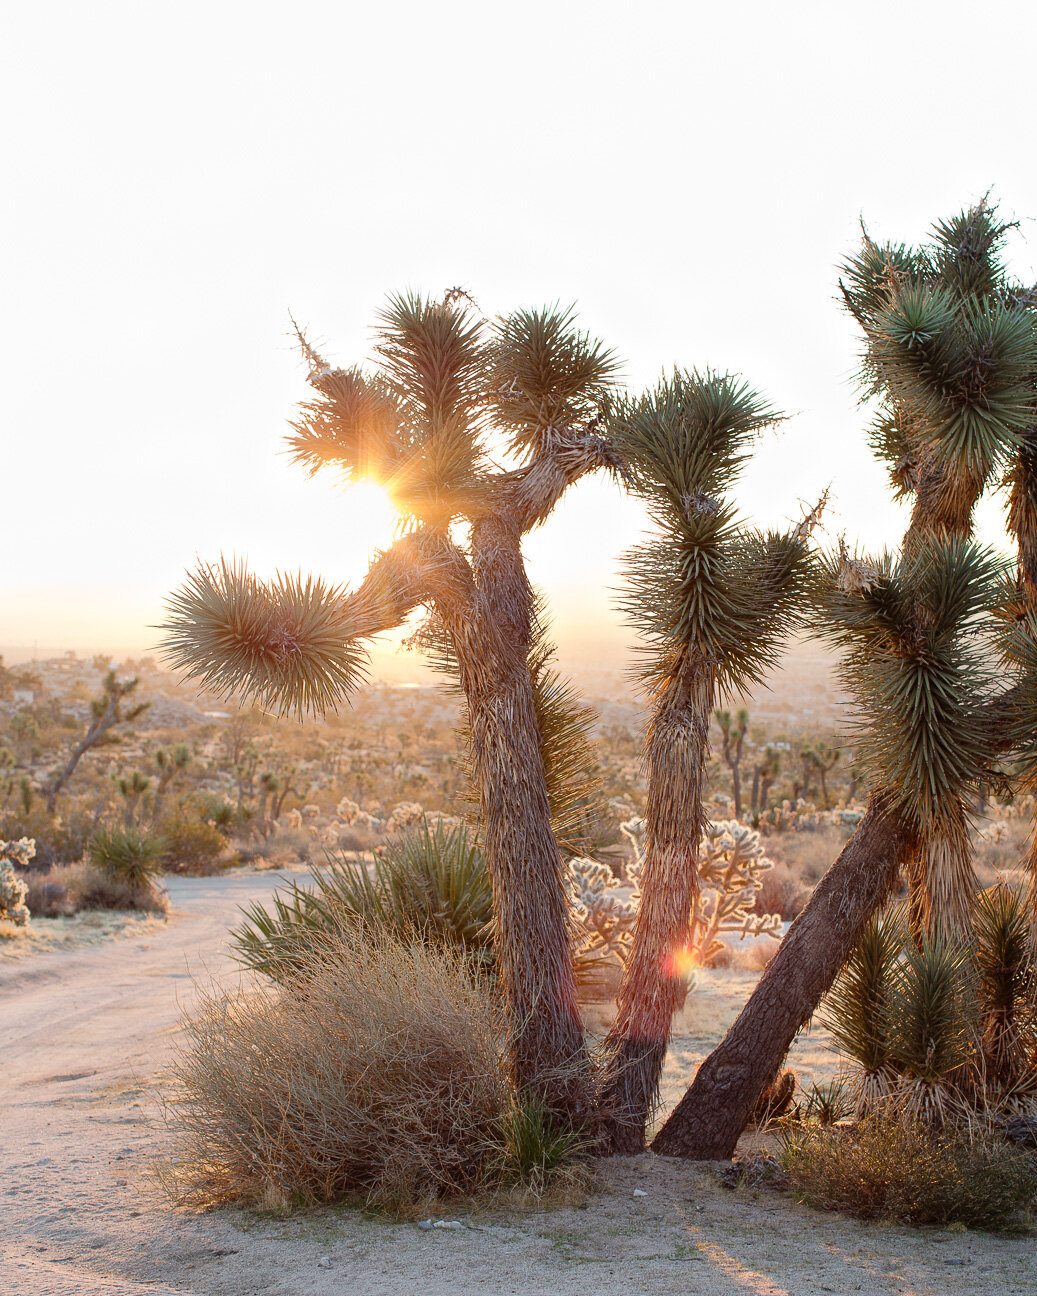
181 176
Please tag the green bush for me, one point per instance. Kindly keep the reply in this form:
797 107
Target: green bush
128 856
191 844
430 883
894 1168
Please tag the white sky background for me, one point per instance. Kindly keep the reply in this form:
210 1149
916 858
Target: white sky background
180 176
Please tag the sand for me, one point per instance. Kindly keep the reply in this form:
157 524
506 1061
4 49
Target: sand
86 1030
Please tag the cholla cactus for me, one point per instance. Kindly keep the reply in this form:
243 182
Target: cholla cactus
731 862
404 815
603 908
13 890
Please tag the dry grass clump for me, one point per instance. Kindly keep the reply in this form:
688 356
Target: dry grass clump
373 1071
894 1168
65 889
782 892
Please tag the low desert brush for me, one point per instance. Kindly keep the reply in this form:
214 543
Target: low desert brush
371 1071
892 1167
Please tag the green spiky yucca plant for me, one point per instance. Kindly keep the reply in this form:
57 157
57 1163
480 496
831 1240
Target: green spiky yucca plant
917 640
712 600
430 884
446 392
947 1029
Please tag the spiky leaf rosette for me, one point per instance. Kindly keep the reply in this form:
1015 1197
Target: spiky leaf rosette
916 636
932 1011
288 645
857 1008
1007 973
547 376
950 350
706 585
415 425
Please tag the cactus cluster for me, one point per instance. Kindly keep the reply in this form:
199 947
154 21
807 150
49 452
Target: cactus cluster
13 890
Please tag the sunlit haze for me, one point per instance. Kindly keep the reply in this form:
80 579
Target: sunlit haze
180 178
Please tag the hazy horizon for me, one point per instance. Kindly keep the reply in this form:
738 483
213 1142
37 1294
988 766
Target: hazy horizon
183 181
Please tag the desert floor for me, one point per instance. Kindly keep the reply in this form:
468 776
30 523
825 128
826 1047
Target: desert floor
85 1031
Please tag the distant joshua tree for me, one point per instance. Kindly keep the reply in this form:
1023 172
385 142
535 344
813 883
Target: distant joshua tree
448 389
107 710
734 734
950 359
713 601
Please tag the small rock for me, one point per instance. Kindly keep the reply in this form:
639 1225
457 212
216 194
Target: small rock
639 1192
450 1224
325 1262
425 1224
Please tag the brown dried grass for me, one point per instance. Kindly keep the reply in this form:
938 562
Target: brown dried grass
66 889
373 1073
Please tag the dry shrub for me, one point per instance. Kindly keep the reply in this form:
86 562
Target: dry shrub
373 1071
893 1168
781 892
66 889
754 955
808 855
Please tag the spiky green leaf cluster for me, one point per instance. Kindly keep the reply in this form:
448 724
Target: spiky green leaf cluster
286 645
546 375
706 585
950 349
446 384
857 1008
917 663
430 884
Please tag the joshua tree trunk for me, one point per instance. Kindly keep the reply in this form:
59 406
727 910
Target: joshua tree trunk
531 913
652 986
706 1123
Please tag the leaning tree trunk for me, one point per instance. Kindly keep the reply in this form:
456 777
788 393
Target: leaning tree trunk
706 1123
652 986
533 937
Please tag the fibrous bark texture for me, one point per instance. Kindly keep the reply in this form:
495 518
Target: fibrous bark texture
533 938
653 986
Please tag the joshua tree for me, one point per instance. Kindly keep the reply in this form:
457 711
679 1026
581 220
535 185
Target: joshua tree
131 788
825 759
713 601
107 711
447 389
731 749
765 771
951 357
169 762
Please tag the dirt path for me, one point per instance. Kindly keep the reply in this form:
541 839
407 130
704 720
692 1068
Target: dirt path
83 1034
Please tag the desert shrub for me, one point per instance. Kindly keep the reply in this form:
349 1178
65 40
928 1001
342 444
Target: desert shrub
127 856
49 893
430 882
781 892
60 838
895 1168
192 845
282 847
91 887
373 1070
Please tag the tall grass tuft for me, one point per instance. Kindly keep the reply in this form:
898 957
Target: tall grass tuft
372 1071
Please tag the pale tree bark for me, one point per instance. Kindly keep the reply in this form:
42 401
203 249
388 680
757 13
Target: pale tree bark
652 985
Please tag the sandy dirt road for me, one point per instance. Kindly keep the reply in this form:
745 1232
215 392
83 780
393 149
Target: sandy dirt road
84 1036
